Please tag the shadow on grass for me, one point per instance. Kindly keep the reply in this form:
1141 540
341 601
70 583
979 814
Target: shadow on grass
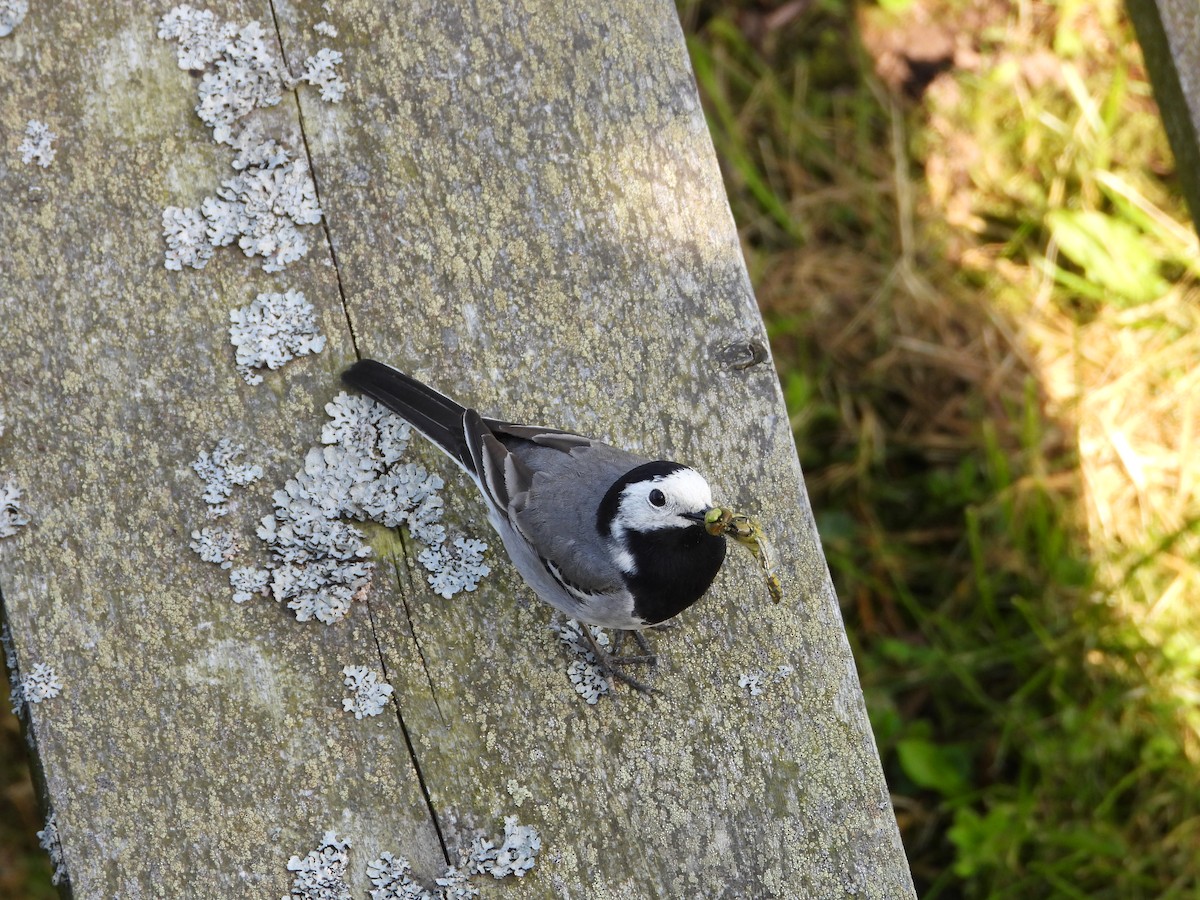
1038 738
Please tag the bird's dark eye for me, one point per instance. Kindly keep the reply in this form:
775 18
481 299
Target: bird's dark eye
658 498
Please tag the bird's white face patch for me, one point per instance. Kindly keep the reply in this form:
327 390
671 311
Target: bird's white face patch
662 501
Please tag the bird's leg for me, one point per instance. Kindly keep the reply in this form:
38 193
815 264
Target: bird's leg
649 657
607 661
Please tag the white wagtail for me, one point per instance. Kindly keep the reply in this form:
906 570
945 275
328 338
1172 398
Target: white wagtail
607 537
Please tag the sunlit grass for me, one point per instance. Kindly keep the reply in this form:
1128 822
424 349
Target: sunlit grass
983 306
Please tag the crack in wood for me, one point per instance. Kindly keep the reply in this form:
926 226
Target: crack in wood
412 750
312 172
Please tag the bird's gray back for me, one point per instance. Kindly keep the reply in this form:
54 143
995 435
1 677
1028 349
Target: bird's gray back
559 513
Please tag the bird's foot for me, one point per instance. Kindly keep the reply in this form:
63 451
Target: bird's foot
648 657
609 662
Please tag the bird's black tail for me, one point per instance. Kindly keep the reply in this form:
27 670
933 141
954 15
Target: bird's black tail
434 415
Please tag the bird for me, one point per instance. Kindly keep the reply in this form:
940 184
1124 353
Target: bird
606 536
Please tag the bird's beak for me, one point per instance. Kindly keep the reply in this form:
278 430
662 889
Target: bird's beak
700 517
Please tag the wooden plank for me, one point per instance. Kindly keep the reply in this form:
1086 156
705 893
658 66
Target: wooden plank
196 744
541 230
1169 32
524 209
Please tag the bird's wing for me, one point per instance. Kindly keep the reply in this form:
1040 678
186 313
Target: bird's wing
502 475
550 483
539 436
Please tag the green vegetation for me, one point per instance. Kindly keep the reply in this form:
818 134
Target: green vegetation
981 290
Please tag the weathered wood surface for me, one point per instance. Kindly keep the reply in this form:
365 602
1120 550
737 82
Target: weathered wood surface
522 207
1169 32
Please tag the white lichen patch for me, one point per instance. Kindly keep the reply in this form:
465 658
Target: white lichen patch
255 150
221 474
11 517
321 71
10 660
366 431
326 28
200 35
242 72
245 76
319 564
756 683
264 206
585 673
12 14
454 884
393 879
215 545
186 233
48 838
455 566
261 209
515 856
38 146
272 330
369 695
753 682
321 875
589 680
248 582
40 684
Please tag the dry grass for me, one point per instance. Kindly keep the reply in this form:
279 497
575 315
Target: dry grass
1120 372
